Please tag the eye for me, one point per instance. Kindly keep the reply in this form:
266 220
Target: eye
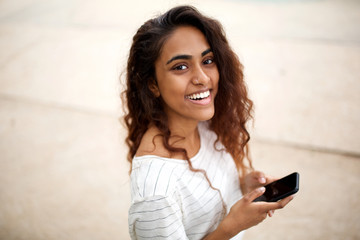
180 67
208 61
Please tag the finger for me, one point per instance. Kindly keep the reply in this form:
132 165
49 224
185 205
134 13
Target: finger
254 194
278 205
270 179
286 200
271 213
259 176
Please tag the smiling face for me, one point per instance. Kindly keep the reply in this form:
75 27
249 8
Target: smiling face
187 76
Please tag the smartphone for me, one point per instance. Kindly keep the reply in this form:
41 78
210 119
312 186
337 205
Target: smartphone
280 189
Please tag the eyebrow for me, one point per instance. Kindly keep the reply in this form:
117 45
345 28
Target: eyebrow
184 56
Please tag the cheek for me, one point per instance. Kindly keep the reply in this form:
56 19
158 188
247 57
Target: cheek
215 78
172 87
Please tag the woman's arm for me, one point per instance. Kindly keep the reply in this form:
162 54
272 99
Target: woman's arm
156 217
245 214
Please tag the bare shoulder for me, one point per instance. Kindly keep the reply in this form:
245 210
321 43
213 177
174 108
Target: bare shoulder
151 144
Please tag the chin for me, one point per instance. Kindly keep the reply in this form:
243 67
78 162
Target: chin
206 116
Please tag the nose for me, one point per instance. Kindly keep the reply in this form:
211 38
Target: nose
200 77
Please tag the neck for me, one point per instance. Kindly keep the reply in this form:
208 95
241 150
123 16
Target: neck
183 129
185 135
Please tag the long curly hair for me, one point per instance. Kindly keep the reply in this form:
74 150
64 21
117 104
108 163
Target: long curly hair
232 106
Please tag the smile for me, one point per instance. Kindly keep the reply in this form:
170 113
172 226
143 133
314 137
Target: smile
198 96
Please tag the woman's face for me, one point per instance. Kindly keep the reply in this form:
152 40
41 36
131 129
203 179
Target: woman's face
187 76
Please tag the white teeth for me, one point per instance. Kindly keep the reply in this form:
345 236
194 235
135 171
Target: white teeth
197 96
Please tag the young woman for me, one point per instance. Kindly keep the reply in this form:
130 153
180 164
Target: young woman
187 113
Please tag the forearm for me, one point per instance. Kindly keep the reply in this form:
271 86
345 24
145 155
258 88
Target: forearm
222 232
245 214
216 235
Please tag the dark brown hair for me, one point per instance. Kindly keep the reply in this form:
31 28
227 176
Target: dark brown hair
232 105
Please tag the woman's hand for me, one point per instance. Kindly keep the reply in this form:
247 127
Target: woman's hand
253 180
245 214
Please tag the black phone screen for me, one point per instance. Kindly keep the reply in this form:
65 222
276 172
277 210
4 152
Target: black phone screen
280 189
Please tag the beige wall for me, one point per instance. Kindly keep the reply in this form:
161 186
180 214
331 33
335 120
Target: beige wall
63 173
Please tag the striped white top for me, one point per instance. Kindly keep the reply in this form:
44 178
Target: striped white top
169 201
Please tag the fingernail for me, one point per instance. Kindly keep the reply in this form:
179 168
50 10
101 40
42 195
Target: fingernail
262 189
262 180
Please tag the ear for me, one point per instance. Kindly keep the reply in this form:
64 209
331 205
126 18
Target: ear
154 89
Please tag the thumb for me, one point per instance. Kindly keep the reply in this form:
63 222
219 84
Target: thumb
251 196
